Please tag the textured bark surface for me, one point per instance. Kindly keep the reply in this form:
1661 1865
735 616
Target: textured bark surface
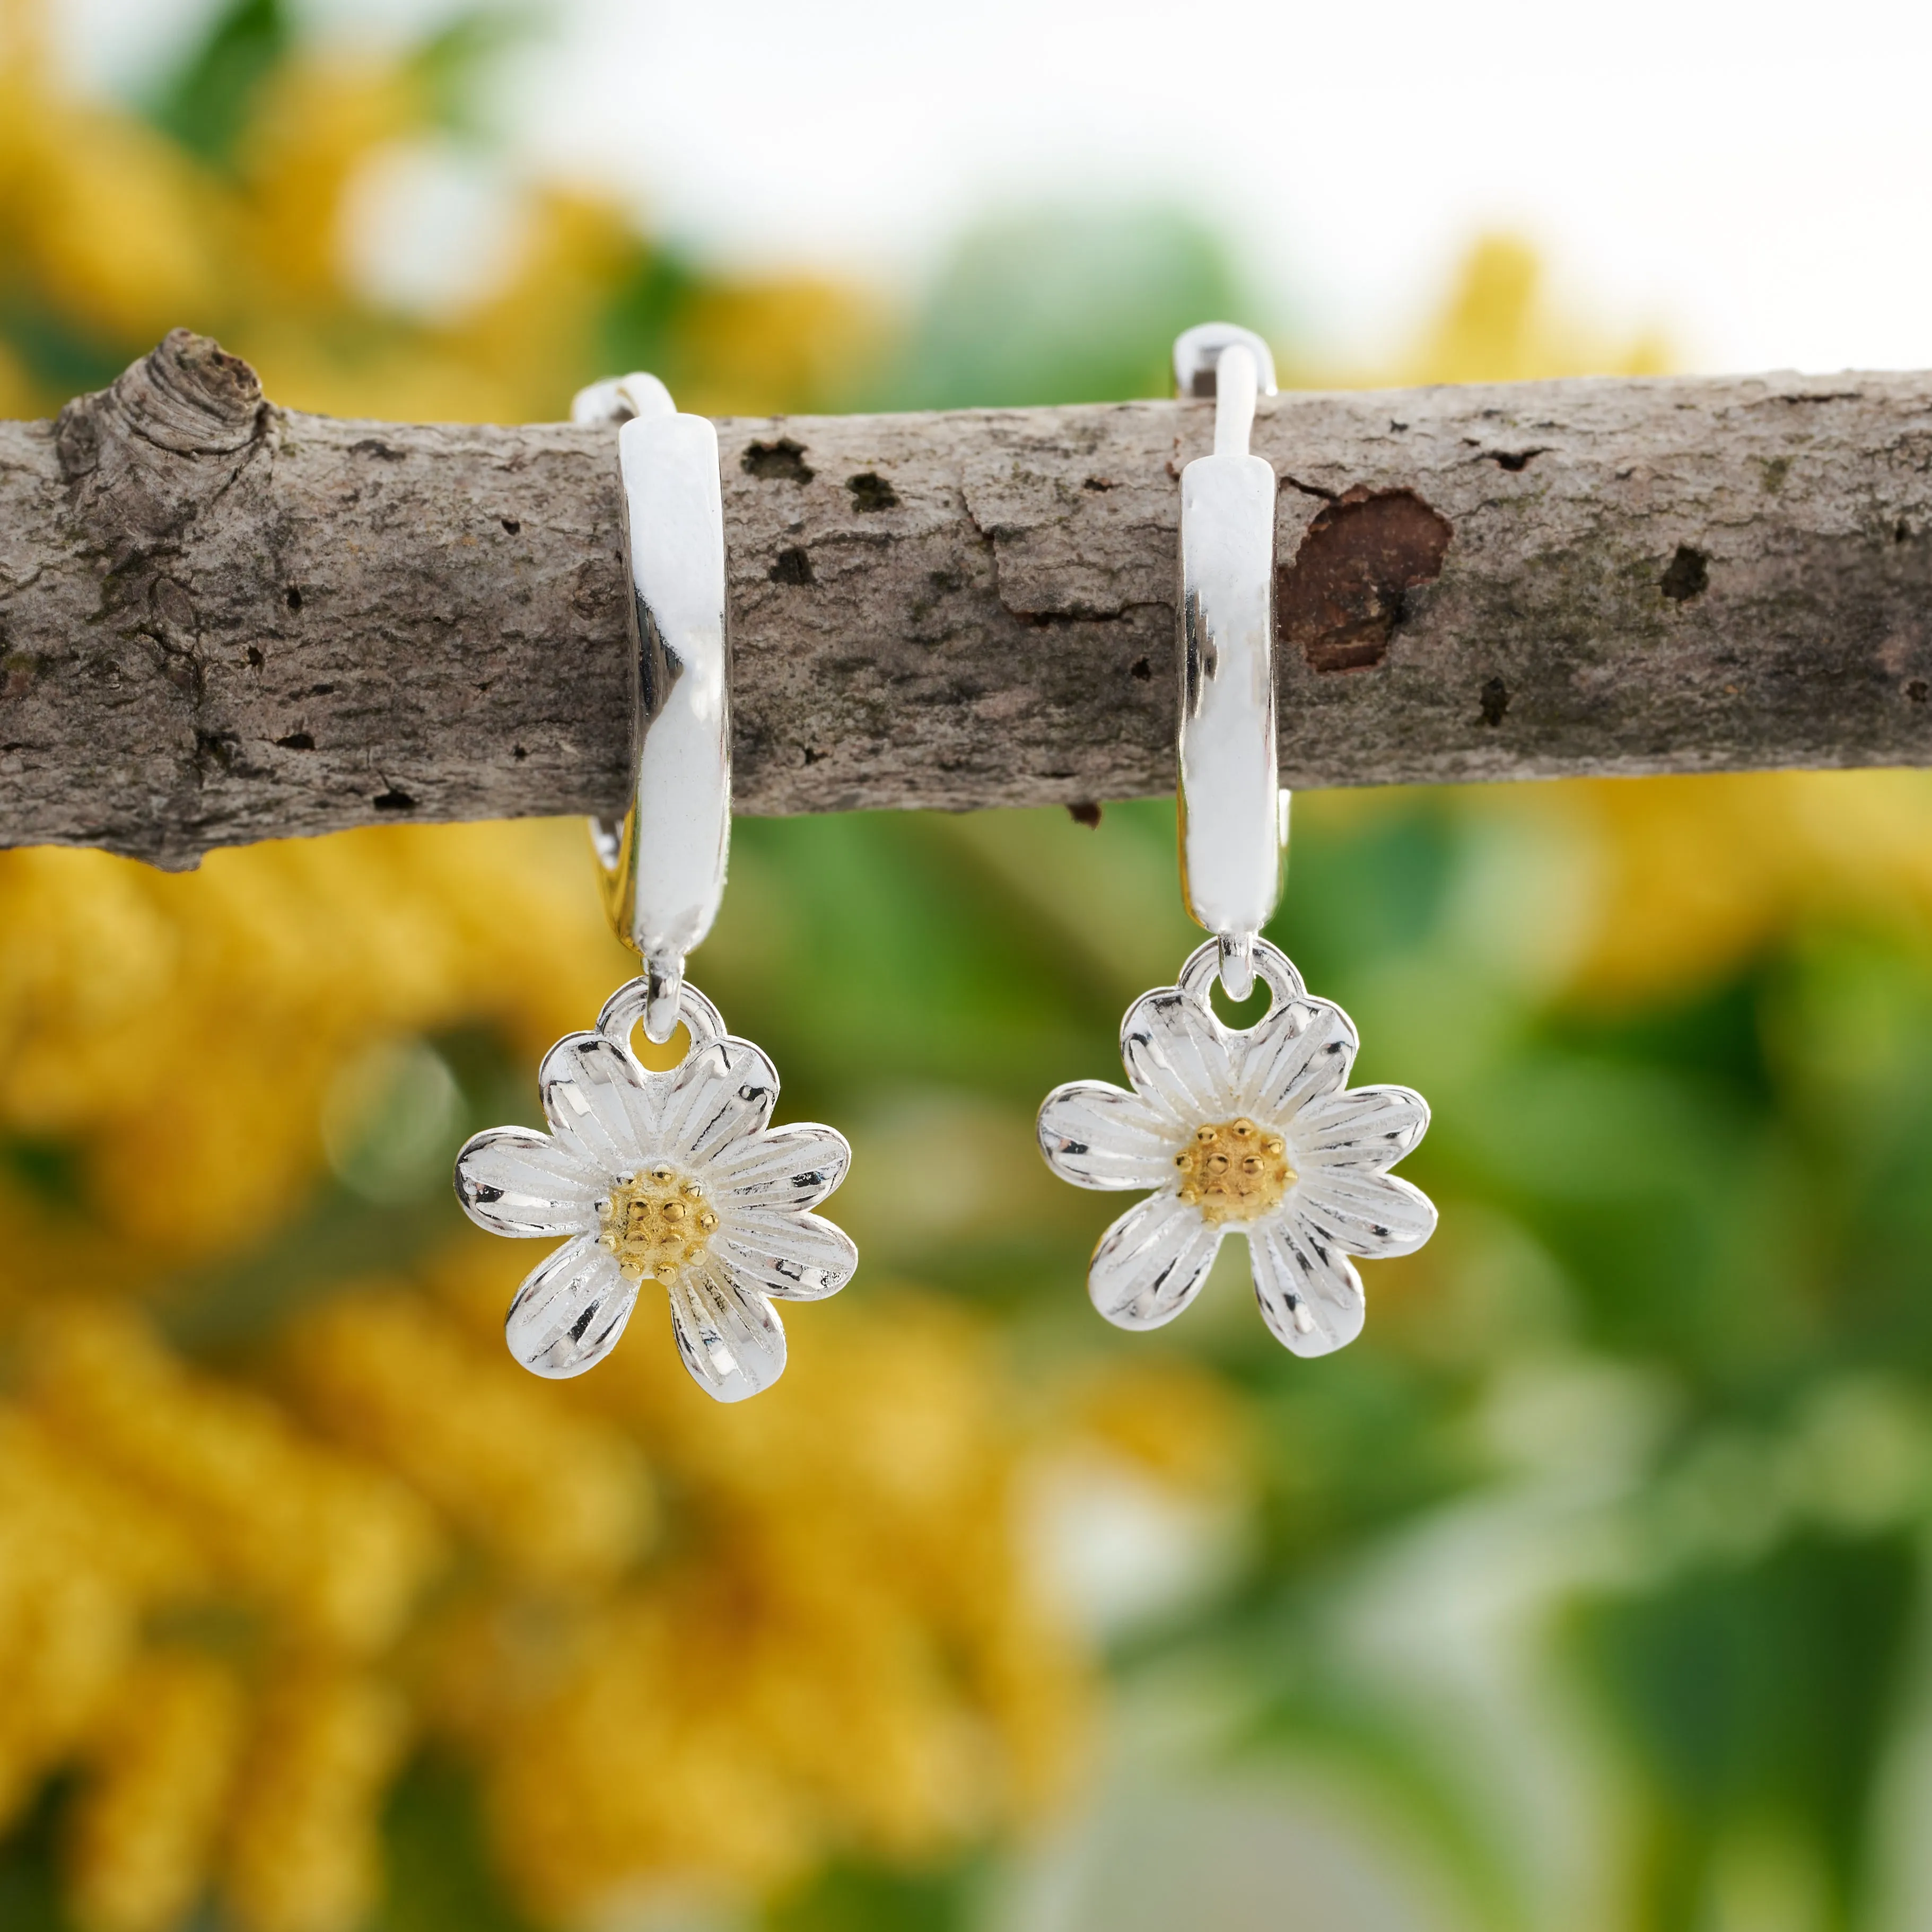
221 621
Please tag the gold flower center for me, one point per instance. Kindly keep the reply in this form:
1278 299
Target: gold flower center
1234 1172
656 1224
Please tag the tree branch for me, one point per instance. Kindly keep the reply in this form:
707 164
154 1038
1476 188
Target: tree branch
223 621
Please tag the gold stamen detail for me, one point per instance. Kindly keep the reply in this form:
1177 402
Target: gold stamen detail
1234 1171
648 1224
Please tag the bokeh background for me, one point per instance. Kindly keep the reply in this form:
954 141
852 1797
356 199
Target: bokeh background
1585 1591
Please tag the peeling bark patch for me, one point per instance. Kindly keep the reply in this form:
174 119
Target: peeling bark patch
780 462
1341 598
870 491
1686 575
1495 701
793 566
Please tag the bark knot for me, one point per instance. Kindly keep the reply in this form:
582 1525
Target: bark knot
187 396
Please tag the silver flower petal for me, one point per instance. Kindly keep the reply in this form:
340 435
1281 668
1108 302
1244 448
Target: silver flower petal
570 1310
1177 1055
1368 1128
1376 1216
514 1181
721 1092
794 1167
796 1257
1096 1135
729 1335
1149 1264
1310 1294
1289 1073
1300 1051
596 1098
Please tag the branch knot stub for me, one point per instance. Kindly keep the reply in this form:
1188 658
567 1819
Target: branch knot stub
187 396
190 396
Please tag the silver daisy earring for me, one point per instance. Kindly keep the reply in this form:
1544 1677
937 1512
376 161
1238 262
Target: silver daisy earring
1253 1130
675 1177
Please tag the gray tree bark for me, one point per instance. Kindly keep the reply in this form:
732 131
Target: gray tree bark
221 621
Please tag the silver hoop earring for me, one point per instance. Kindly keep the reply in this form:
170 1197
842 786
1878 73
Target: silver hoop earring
676 1177
1251 1131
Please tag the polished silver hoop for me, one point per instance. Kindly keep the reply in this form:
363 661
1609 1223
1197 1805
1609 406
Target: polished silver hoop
663 870
1233 812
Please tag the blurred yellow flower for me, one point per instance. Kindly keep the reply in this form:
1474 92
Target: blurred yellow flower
839 1643
178 1032
1497 326
99 216
761 348
337 1552
303 1853
161 1771
554 1494
1698 874
842 1638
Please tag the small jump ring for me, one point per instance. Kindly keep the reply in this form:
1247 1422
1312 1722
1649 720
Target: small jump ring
1272 968
1237 959
629 1004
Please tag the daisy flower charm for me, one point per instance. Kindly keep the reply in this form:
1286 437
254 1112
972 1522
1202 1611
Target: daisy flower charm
1255 1133
675 1177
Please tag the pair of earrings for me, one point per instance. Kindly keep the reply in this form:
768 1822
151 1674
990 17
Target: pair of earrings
678 1177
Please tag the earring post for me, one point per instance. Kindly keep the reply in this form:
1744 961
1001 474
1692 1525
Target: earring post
1236 383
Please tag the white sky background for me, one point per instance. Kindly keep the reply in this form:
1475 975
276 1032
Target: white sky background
1757 180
